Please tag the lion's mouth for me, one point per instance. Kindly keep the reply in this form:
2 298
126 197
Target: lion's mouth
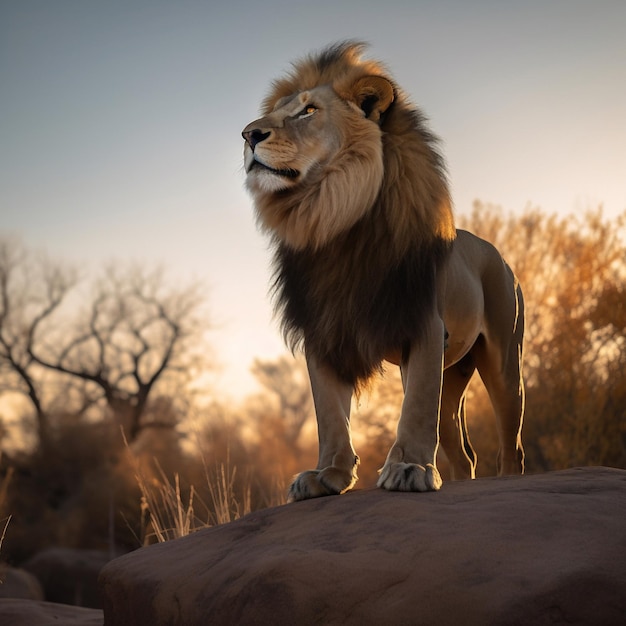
287 172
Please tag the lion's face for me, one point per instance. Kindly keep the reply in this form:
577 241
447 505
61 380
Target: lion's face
314 163
298 137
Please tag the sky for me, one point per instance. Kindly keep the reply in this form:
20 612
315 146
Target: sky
120 125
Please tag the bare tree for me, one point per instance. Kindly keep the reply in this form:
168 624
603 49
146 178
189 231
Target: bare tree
31 290
135 332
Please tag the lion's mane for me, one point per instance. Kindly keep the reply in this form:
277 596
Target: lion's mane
364 292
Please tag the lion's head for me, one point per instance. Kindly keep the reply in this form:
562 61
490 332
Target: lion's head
337 136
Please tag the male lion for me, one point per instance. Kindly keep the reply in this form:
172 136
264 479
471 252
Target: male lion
347 181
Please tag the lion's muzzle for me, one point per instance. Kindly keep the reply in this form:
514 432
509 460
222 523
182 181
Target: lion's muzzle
255 136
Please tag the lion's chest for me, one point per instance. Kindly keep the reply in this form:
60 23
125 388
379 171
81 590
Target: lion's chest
351 310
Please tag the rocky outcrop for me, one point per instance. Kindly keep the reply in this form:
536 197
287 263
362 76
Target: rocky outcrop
18 583
544 549
28 613
69 576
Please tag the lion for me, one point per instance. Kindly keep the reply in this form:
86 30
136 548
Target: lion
369 268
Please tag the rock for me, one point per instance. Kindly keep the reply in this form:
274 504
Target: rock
29 613
69 576
18 583
543 549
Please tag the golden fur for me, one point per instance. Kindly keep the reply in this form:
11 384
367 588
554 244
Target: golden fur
347 181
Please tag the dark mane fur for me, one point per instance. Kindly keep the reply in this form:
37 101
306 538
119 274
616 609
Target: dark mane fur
349 304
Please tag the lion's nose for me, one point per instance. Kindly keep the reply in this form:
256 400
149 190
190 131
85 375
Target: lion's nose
254 136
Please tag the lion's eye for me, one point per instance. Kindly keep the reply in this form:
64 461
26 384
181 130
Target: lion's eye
308 110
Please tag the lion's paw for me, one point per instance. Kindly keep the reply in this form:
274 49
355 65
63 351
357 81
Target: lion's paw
315 483
409 477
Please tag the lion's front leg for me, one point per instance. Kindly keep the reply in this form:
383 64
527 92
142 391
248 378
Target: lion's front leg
336 468
411 464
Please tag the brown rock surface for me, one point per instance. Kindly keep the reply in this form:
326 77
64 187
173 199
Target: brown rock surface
18 583
29 613
541 549
69 576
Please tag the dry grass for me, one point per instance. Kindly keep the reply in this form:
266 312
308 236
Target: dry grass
4 531
169 512
4 487
226 507
164 509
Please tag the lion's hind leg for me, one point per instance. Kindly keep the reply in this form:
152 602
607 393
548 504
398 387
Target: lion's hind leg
500 367
506 392
453 435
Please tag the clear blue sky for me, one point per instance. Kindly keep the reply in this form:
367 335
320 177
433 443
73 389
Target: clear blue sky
120 122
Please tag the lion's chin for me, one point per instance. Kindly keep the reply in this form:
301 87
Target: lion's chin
269 180
288 172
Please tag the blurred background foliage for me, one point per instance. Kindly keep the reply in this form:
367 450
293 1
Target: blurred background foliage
108 425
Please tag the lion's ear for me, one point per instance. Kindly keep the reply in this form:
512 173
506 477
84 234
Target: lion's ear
373 94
